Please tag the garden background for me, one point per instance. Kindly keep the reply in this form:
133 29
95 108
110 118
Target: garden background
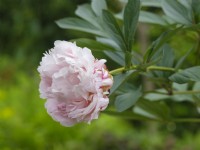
27 30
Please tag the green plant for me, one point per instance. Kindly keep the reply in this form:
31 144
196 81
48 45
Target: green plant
114 36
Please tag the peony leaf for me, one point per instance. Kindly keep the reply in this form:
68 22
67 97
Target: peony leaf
167 60
98 6
93 45
184 76
119 79
148 3
131 15
151 3
118 57
152 109
158 43
128 99
177 11
85 12
182 59
114 30
80 25
148 17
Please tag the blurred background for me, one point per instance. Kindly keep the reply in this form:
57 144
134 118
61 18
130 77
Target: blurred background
27 30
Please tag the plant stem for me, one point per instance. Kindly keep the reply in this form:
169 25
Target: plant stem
186 92
159 68
118 70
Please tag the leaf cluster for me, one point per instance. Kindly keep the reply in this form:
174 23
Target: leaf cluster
114 36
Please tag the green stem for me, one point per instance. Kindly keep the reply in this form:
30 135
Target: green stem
159 68
118 70
186 92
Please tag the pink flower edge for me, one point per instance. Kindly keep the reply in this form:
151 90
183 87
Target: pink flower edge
74 83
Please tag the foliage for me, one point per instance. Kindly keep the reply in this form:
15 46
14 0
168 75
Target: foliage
159 63
27 29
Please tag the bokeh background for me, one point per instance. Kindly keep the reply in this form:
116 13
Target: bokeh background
27 30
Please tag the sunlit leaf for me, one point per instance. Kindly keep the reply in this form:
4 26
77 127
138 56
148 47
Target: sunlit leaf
85 12
148 17
177 11
151 3
80 25
98 6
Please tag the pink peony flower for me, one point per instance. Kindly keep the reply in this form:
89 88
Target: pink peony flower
74 83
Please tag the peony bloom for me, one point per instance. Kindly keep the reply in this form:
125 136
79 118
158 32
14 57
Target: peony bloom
74 83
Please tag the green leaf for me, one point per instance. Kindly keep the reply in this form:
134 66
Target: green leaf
157 96
85 12
186 3
148 3
128 59
128 99
168 56
162 39
98 6
181 97
119 79
167 60
118 57
196 97
177 11
108 41
184 76
194 27
196 87
151 3
182 59
175 97
151 18
93 45
131 15
113 29
196 10
152 109
80 25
